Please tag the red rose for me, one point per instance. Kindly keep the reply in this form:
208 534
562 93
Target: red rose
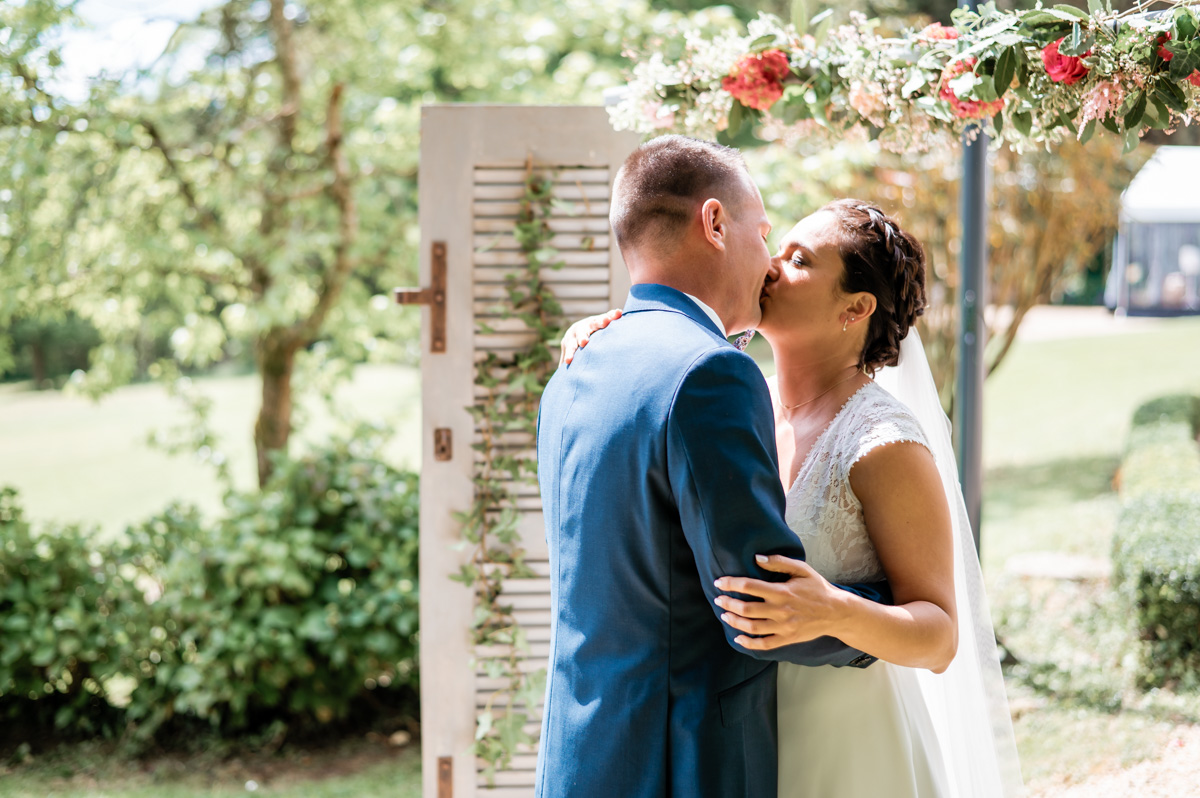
1167 55
1163 52
757 79
1063 68
966 109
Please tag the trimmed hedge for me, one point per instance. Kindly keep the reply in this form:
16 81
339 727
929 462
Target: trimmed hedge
297 606
1156 550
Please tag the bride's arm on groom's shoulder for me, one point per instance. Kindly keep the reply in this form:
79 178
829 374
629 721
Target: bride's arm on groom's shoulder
904 506
576 336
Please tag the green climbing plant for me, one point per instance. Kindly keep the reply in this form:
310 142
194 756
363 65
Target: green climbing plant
512 385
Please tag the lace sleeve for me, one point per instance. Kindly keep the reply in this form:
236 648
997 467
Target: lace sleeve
883 420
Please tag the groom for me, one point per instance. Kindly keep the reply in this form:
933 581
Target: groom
658 472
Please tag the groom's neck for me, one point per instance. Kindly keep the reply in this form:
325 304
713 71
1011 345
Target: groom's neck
690 278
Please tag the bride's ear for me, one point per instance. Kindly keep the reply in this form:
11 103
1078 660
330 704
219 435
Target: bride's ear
861 306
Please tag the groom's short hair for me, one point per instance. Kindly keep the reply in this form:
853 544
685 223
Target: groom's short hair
657 189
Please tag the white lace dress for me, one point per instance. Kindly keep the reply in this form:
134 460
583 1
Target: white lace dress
850 732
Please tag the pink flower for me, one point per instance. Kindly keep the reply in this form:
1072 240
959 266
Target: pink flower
757 79
938 32
1101 102
658 117
966 109
867 100
1063 68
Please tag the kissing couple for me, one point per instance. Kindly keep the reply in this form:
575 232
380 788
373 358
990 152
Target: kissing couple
759 589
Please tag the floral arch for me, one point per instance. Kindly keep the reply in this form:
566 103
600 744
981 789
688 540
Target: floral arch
1026 78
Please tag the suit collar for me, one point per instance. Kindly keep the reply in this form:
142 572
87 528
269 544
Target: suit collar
651 296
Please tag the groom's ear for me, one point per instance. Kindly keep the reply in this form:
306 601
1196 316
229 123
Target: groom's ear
714 222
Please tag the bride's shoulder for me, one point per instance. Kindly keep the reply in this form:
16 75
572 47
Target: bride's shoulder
881 419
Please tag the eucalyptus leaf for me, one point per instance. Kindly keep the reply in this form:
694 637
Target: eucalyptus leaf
1006 68
1133 119
1088 131
1172 96
821 25
1077 43
800 16
917 80
764 42
1132 139
964 84
1023 122
1070 11
1162 116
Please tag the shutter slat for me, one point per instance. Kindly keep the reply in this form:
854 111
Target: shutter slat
561 224
510 209
584 242
566 175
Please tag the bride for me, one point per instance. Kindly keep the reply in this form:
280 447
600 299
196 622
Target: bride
872 493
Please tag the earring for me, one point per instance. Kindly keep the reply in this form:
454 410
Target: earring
845 323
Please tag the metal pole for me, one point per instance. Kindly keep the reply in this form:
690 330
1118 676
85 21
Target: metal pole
972 333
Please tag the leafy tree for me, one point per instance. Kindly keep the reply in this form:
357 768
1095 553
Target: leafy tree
255 191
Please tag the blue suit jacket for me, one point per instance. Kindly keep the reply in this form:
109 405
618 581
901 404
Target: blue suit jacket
658 472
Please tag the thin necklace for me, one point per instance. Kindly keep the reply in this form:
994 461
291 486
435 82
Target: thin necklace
822 393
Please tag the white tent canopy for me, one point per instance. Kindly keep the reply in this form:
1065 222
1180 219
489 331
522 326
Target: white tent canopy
1167 189
1156 267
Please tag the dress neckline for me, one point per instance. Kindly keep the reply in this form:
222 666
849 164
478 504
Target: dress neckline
828 426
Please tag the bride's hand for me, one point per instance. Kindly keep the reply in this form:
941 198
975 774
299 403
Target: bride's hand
576 336
803 608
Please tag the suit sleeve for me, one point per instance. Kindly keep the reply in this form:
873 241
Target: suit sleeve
723 469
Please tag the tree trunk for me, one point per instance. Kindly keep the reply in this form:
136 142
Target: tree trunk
276 361
37 357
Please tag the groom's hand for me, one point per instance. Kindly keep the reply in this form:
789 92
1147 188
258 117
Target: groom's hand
803 608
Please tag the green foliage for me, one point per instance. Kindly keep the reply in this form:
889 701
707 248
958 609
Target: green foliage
1176 408
1156 550
46 350
253 195
65 625
292 608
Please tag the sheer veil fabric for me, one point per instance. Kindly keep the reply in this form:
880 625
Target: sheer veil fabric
967 702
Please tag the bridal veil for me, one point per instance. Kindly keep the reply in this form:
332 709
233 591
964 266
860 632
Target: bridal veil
967 702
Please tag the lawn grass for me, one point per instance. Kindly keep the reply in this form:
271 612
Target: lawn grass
77 460
1056 419
356 767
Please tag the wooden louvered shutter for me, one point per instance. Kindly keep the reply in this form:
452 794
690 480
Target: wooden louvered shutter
471 179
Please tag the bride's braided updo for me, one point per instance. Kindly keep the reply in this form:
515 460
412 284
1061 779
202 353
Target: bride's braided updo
883 260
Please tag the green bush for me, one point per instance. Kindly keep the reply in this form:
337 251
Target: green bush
63 618
1177 408
1156 549
1156 558
297 606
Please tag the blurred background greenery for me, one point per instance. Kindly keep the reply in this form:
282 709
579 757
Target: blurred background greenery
197 245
